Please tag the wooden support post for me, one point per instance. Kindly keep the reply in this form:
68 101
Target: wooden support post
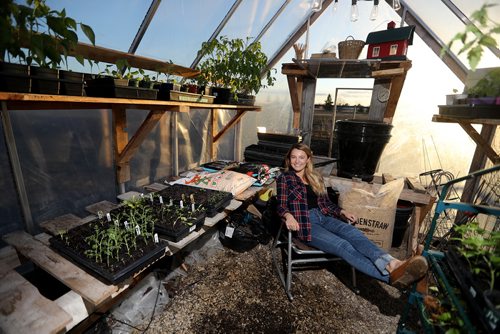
478 161
120 140
124 148
213 124
380 97
307 109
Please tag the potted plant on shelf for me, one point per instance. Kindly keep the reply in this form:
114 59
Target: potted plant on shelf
236 66
115 80
487 89
36 34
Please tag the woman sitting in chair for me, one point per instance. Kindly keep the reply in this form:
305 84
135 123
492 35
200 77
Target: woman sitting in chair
304 206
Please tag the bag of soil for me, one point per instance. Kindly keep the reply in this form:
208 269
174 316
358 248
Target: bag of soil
241 231
375 209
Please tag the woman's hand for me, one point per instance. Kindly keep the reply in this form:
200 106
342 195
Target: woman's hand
291 222
351 219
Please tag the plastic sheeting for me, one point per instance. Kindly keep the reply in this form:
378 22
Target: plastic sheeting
67 158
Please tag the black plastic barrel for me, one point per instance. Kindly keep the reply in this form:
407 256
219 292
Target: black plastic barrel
404 211
360 145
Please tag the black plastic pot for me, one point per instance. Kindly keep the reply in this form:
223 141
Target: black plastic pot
243 100
14 78
71 83
404 211
44 80
360 145
222 95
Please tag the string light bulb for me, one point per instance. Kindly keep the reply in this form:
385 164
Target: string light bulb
396 5
317 5
374 12
354 10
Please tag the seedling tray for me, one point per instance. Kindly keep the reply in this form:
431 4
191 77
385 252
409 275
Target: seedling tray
105 87
175 235
190 97
74 248
212 200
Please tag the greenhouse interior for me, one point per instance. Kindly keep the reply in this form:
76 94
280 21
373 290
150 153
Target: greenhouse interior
250 166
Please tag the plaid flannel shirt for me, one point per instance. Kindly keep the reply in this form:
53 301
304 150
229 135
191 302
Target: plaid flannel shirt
292 198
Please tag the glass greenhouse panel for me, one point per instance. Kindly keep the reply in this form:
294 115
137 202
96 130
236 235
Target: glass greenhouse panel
179 27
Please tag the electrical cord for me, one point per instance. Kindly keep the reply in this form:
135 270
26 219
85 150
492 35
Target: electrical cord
109 316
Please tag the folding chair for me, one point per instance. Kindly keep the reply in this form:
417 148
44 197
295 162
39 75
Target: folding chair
297 256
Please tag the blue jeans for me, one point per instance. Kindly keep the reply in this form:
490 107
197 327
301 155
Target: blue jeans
336 237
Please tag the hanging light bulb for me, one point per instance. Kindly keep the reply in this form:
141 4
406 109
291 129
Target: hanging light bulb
316 5
396 5
354 11
335 5
374 12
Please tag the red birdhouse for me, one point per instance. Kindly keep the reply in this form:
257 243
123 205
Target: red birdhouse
390 44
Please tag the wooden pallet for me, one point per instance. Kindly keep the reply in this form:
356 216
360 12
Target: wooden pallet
24 310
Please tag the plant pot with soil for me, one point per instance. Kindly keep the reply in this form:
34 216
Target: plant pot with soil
235 64
15 77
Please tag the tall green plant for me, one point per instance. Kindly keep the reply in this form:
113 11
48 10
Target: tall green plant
481 248
236 64
35 33
482 30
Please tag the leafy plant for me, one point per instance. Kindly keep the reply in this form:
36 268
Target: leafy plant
236 64
34 33
121 69
481 250
480 22
489 85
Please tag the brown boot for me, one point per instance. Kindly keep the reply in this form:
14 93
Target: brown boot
408 272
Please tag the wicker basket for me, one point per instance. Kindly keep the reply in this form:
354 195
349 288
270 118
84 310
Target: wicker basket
350 49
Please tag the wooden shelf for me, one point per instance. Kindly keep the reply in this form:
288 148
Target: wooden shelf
20 101
470 120
351 68
389 77
483 141
124 147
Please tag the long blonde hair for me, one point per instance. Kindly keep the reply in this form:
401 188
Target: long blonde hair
311 176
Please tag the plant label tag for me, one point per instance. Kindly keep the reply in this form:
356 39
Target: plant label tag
171 202
125 223
192 207
161 199
181 204
137 230
157 240
151 197
142 195
117 223
192 228
108 217
229 231
99 214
